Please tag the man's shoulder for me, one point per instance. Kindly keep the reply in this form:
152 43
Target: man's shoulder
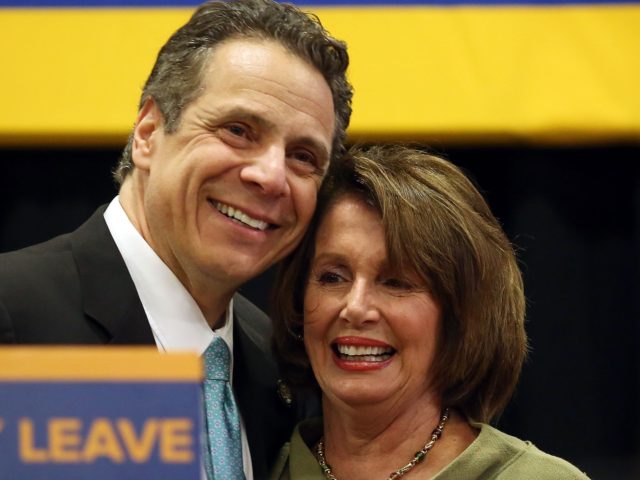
19 266
41 290
44 257
34 283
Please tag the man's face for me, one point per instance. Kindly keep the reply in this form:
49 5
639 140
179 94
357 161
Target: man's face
233 189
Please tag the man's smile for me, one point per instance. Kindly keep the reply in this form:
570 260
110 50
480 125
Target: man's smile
240 216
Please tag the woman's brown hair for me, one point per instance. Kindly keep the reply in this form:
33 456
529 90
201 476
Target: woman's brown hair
438 225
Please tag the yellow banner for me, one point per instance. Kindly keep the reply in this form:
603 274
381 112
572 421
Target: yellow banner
79 363
562 74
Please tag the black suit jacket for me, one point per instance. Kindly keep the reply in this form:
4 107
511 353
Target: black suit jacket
76 289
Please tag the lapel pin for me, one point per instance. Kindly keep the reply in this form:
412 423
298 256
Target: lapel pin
284 392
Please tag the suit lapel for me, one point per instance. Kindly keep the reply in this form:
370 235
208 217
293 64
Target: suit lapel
268 420
109 295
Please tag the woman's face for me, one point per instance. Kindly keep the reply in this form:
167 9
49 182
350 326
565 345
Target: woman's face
369 329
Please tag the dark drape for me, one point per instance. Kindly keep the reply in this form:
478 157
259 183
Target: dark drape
574 215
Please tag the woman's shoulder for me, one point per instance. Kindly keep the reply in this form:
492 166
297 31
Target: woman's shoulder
497 455
296 458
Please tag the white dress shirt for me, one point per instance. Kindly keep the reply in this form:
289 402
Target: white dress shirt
176 321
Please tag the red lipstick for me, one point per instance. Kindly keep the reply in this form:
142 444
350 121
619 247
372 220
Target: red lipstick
360 362
360 342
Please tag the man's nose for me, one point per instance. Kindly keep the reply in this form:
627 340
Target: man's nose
360 306
268 171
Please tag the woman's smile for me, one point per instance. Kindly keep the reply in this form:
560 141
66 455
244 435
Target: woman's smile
359 353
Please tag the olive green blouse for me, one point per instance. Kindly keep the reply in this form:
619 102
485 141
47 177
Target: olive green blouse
492 455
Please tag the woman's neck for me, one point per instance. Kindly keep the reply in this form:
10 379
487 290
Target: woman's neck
371 442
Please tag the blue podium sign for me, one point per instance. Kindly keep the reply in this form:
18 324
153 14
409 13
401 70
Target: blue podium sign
99 414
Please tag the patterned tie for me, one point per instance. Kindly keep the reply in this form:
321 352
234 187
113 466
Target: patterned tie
223 459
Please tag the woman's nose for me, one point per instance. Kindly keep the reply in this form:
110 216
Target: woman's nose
360 306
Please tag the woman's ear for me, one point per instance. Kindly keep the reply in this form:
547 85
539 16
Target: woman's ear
148 125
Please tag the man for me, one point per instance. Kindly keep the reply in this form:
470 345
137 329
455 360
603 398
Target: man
238 120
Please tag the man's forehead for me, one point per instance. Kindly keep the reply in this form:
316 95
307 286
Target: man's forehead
257 75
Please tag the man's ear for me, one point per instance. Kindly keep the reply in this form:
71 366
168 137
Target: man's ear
148 125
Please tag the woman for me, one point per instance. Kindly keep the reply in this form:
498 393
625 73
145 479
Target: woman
408 313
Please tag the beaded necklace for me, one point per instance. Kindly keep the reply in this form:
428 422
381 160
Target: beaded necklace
419 456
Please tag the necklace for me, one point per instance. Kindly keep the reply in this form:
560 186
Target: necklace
419 456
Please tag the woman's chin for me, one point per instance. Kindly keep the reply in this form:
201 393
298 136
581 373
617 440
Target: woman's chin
357 393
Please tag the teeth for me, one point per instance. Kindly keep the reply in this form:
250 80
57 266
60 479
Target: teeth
241 216
353 350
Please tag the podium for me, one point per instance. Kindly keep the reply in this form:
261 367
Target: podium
99 413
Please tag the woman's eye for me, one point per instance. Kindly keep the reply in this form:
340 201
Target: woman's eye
398 284
329 277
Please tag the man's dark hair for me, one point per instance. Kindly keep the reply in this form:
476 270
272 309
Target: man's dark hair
177 76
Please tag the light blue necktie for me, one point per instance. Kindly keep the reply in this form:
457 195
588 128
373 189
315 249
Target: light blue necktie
223 459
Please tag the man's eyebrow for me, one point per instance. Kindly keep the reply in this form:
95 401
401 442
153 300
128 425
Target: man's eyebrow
245 115
241 114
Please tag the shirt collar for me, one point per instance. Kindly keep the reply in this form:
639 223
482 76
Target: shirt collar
174 316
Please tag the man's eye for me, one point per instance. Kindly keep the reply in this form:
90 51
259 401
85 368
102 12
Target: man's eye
305 157
238 130
305 160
